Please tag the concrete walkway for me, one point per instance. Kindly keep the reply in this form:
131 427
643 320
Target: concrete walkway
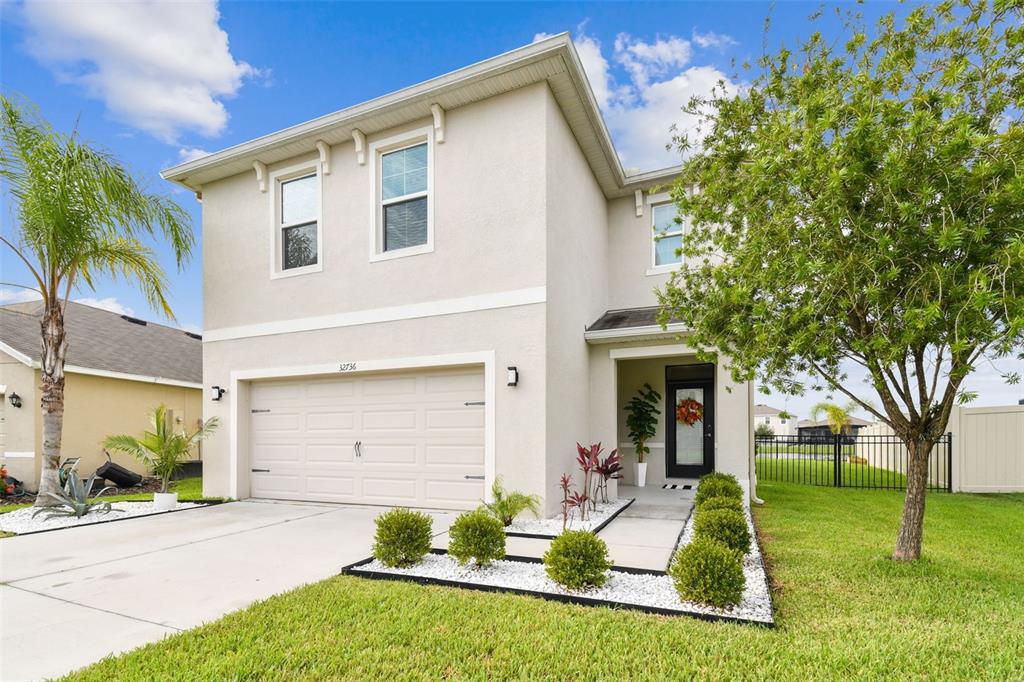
71 597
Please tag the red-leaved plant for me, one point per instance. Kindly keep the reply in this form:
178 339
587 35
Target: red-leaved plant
608 468
570 500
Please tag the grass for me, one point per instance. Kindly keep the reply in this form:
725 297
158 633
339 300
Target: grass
844 610
187 489
822 472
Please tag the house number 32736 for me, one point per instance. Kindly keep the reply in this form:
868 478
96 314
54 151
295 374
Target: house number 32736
347 367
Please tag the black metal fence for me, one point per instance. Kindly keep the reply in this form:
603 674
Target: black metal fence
846 461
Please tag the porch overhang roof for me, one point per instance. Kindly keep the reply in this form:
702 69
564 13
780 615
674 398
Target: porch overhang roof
631 324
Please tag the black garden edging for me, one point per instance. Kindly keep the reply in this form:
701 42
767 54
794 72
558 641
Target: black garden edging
200 504
600 527
357 570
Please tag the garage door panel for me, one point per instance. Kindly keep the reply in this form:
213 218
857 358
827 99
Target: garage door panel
389 420
419 439
468 456
331 421
330 453
389 489
441 419
331 486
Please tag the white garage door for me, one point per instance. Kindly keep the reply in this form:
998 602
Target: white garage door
410 438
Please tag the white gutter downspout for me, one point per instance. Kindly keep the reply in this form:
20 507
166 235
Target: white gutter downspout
750 430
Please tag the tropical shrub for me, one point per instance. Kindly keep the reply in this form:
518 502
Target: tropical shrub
402 538
577 559
642 419
725 525
717 485
708 572
73 499
507 505
476 535
607 469
721 502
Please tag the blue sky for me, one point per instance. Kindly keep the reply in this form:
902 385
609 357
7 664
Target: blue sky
154 83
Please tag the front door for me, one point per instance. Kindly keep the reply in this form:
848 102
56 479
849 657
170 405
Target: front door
690 432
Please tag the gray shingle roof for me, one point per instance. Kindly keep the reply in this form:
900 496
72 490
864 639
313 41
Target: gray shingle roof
762 410
627 318
100 339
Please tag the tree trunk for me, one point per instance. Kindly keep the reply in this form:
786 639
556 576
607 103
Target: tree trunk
52 370
908 540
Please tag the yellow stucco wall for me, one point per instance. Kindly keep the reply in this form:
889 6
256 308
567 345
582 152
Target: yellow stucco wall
94 407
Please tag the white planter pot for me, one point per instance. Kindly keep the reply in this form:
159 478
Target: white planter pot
640 474
165 501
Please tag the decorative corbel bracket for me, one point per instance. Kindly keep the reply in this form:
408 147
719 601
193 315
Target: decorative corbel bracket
261 174
199 197
360 140
325 156
638 197
438 113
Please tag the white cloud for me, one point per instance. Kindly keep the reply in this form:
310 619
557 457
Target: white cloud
110 303
191 154
17 295
718 41
642 108
162 67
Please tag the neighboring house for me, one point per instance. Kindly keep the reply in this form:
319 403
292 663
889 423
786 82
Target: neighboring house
781 423
411 296
810 430
118 368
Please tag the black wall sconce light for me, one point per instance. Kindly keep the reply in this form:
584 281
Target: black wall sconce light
216 392
513 376
15 400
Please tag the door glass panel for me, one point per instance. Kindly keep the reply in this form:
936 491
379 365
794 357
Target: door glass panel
689 418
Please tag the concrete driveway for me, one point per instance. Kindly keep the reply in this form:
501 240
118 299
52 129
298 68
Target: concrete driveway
71 597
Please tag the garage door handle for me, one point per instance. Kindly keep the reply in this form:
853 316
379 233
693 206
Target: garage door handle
260 471
479 478
474 402
358 448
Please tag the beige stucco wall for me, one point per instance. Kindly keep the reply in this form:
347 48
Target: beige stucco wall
94 407
17 430
629 241
488 203
577 291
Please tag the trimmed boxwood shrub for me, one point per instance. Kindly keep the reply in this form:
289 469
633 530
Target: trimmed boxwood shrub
725 525
717 485
708 572
721 502
477 535
577 559
402 538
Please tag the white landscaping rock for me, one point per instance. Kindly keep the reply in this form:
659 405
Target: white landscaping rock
552 526
20 521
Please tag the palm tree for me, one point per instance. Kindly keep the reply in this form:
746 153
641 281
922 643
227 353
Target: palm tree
162 450
79 215
837 416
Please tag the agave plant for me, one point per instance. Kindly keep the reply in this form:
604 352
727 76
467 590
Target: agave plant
73 499
508 505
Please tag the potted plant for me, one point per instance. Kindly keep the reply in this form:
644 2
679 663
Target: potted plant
162 450
642 421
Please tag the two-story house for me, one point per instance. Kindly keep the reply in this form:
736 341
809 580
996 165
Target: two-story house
779 421
411 296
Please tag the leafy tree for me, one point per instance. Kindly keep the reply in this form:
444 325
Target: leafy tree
163 449
837 416
79 215
763 430
642 419
862 204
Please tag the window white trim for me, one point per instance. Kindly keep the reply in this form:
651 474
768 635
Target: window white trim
277 178
377 150
655 201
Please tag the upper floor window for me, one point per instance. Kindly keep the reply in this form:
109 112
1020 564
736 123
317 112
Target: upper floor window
297 239
668 234
404 216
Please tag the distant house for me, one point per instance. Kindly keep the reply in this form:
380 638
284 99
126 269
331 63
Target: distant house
781 423
117 369
811 430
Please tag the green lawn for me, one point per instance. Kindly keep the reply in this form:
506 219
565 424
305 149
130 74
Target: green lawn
187 489
822 472
844 611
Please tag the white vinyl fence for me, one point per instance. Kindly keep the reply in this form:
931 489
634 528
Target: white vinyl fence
988 449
